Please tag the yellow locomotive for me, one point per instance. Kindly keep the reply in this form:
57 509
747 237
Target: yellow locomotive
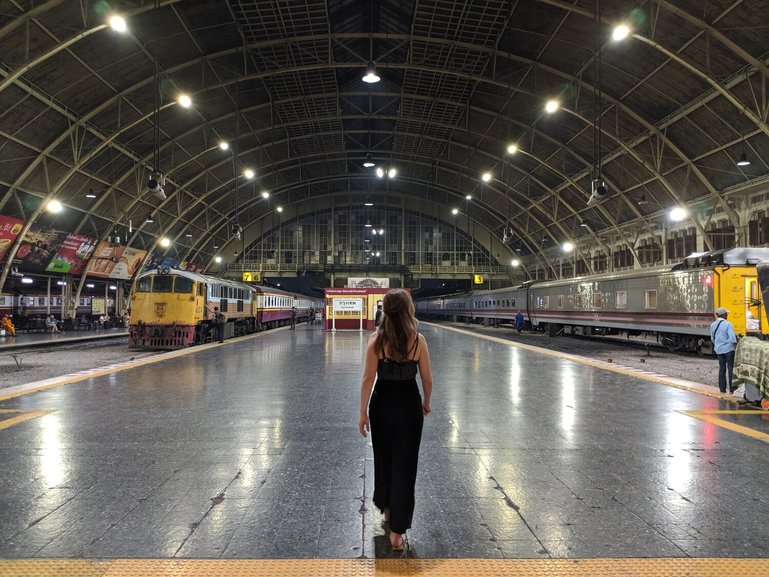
172 309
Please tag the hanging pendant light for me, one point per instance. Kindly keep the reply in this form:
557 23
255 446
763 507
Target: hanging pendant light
371 75
743 161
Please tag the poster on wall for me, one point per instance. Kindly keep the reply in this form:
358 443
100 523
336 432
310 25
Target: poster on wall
115 261
9 230
72 255
38 247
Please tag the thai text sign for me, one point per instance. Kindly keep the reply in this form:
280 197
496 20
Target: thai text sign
348 305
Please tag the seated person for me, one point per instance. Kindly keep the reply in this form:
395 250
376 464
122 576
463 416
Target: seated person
52 324
7 325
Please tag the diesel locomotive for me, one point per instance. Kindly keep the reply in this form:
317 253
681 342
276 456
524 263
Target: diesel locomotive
675 303
172 309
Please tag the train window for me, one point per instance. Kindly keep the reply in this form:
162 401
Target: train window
41 301
201 289
560 301
223 305
240 306
162 283
650 299
144 284
597 300
183 285
543 302
577 301
512 302
621 299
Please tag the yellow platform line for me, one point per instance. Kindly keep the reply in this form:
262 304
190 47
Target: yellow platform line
37 386
23 416
674 382
649 567
708 417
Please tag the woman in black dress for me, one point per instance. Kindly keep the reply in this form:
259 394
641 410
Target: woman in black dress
395 411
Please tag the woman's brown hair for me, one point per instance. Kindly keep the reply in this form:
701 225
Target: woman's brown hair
398 329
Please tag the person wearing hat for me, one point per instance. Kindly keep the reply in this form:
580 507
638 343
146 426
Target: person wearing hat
724 343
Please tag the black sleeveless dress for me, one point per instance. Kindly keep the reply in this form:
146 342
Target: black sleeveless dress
395 415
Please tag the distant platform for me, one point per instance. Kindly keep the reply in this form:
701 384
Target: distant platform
22 340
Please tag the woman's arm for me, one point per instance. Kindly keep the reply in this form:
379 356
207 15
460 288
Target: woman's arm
425 372
369 372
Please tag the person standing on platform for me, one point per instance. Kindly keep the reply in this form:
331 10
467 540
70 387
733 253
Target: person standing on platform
724 344
519 322
395 412
378 316
219 320
293 318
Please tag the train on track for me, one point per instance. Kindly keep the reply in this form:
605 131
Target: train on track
172 309
675 303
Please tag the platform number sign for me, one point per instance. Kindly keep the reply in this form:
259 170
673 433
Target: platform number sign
252 277
477 279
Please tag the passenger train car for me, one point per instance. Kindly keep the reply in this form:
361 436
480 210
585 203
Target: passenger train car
171 309
675 303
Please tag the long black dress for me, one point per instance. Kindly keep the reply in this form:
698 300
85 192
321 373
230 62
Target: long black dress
395 414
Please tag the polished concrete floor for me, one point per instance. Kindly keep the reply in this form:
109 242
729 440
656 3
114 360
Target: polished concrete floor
250 450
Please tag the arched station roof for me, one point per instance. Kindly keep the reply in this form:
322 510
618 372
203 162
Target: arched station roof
682 98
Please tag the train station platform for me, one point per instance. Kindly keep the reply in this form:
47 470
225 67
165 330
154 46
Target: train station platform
27 340
244 458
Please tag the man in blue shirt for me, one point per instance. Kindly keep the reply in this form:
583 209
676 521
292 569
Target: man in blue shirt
724 343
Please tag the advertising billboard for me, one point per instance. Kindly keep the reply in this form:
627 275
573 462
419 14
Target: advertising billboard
9 230
37 248
72 255
115 261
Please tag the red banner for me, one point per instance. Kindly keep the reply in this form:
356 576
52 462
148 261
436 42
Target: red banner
9 230
72 254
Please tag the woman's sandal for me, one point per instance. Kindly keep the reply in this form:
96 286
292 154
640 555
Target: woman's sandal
399 542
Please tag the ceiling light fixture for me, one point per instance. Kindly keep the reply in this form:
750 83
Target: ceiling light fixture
512 148
248 173
279 209
392 173
224 145
371 76
678 214
184 100
551 106
486 177
620 32
118 23
380 172
91 193
265 194
369 162
743 161
165 242
54 206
